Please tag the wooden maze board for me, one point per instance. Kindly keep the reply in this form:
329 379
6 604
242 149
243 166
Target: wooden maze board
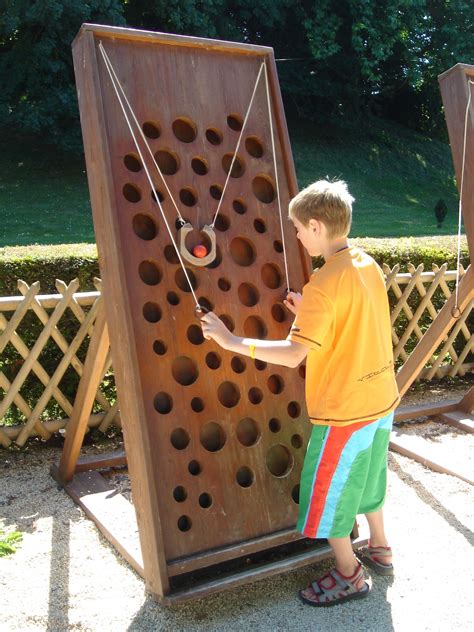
215 441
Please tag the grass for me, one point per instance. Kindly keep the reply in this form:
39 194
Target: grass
395 174
8 541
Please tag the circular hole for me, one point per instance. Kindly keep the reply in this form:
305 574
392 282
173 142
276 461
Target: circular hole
197 404
239 206
206 303
151 312
216 191
205 500
194 334
234 121
260 365
179 438
254 327
151 129
254 146
163 403
132 162
184 129
255 395
214 136
184 370
222 223
213 361
275 384
302 371
279 460
238 168
149 272
180 494
259 226
170 254
228 322
144 227
217 259
167 161
279 312
295 494
199 166
242 251
224 285
244 476
172 298
247 431
131 193
194 468
238 364
271 276
212 436
297 441
274 425
182 281
156 195
184 523
228 394
294 409
197 238
188 196
278 245
263 189
159 347
248 294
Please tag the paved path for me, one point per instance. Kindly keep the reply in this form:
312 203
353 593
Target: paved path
65 576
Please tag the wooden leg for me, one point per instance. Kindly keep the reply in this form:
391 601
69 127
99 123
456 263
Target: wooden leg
467 402
435 334
91 377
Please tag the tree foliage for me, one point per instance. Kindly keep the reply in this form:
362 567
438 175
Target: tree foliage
343 58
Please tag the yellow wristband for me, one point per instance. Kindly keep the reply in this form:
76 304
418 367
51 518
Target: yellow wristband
252 351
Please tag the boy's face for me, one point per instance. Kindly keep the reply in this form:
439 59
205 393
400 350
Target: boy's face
310 235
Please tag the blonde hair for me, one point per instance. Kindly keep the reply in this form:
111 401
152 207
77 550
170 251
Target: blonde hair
328 202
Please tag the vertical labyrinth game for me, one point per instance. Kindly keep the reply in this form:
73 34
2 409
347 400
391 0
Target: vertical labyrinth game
223 435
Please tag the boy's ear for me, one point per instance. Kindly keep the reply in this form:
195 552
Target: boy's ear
315 225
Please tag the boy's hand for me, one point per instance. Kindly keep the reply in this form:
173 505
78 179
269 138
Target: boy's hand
293 301
214 329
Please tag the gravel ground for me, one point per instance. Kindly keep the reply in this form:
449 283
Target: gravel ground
65 575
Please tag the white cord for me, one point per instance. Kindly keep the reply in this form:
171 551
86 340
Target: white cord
238 144
276 180
456 308
148 174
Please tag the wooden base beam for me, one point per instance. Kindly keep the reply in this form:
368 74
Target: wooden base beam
413 447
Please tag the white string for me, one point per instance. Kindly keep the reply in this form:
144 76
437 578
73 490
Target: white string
238 144
109 64
456 308
276 180
148 174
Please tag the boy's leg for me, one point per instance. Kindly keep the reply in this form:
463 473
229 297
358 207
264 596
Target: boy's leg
346 562
376 527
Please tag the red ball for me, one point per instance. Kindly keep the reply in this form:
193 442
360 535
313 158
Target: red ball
200 251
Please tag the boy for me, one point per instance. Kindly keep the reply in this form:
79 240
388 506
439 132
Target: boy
343 326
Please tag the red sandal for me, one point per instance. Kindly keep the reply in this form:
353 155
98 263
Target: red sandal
334 588
373 557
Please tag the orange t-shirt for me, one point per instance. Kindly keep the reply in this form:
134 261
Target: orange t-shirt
344 319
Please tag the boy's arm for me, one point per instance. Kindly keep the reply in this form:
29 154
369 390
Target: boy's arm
283 352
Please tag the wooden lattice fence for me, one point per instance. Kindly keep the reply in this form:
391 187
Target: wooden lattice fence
44 341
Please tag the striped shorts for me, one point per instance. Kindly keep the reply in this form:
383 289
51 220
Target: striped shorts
344 474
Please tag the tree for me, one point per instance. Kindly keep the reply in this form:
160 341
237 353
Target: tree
38 94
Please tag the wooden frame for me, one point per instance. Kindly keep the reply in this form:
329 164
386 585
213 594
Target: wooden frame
105 145
455 87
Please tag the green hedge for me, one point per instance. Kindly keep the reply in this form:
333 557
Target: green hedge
66 262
